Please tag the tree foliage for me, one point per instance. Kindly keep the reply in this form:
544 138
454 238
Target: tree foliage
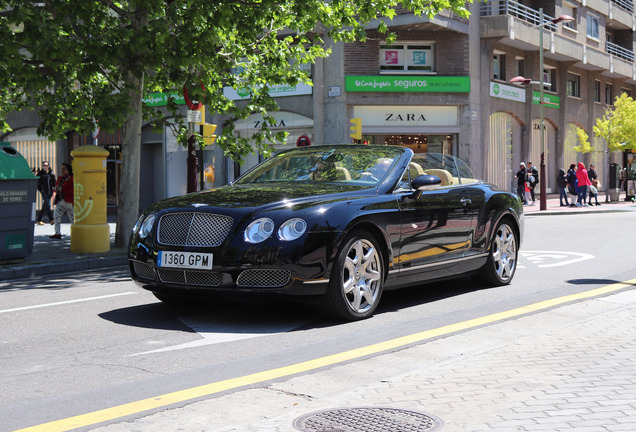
617 127
88 62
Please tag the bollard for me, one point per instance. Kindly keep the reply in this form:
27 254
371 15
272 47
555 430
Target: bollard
90 231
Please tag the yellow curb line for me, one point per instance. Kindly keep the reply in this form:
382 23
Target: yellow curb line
137 407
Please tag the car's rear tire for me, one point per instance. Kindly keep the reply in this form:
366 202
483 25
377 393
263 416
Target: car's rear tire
357 279
502 259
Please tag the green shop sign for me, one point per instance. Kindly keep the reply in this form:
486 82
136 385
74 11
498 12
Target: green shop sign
549 100
161 99
397 83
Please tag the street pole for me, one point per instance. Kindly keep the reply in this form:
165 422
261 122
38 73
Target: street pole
542 186
191 160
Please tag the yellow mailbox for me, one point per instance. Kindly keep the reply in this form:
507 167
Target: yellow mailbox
90 231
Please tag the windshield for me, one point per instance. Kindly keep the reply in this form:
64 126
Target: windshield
363 165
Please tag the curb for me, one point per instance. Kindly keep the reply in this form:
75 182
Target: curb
22 271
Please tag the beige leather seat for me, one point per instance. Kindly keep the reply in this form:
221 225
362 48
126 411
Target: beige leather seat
415 169
445 176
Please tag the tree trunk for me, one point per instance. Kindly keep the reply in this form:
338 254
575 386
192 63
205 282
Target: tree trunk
128 209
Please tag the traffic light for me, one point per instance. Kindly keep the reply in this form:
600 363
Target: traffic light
207 132
356 128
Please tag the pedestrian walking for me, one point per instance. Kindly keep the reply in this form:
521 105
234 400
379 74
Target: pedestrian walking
63 198
521 183
595 184
562 183
583 183
573 188
46 182
533 179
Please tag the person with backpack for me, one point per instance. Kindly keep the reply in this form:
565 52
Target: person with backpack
533 179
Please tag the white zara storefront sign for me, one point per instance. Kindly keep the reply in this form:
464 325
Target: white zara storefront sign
413 115
503 91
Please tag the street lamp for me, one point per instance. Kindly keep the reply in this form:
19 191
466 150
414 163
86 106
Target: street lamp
522 80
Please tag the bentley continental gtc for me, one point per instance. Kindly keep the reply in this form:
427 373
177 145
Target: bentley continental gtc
336 225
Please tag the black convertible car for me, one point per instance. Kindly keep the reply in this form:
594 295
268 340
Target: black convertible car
336 224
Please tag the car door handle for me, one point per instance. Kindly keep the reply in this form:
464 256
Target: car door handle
466 201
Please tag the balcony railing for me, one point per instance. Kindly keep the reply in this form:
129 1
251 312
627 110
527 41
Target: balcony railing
624 4
517 10
620 52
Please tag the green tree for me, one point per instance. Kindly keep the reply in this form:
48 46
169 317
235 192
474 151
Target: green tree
87 62
617 127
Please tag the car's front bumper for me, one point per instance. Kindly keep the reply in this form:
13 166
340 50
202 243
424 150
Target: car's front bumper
298 268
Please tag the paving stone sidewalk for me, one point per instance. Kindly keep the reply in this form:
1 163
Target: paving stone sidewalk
571 368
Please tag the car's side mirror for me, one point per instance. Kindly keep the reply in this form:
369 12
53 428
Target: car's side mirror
424 182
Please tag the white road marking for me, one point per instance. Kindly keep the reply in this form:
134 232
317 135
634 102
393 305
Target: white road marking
222 329
543 259
65 302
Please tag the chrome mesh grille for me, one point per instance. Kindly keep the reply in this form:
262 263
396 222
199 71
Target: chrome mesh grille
263 278
193 229
143 270
189 277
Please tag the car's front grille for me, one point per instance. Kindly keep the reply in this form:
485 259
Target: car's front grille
193 229
189 277
263 278
143 270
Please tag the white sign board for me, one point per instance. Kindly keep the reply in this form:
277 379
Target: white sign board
194 116
503 91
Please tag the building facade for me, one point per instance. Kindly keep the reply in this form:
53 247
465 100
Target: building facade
443 86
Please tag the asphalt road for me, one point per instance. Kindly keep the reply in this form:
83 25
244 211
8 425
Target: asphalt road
79 343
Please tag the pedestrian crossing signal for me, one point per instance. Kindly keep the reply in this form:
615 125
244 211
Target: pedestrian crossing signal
356 128
207 133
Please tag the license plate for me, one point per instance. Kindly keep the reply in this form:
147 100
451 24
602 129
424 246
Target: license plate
191 260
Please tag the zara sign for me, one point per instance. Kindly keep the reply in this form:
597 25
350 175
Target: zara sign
400 115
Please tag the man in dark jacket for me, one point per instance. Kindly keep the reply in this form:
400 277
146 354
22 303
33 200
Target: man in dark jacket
46 182
521 182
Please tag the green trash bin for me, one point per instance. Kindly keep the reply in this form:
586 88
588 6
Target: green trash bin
18 188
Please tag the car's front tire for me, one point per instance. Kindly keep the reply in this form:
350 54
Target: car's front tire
357 278
502 258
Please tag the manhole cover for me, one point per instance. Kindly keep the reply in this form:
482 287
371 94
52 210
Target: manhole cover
367 420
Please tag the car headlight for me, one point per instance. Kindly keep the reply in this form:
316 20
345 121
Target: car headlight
292 229
138 223
259 230
146 226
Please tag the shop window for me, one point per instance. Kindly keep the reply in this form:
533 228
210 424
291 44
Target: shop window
593 27
574 85
499 66
597 91
414 58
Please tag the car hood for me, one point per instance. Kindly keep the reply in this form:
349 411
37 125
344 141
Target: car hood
265 196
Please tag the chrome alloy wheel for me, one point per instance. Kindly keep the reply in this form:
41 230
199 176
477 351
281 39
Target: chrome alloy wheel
361 276
504 253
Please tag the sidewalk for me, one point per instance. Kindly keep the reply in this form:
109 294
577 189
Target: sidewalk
553 206
54 256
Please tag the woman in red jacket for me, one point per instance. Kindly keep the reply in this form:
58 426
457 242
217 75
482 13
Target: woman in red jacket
63 198
584 184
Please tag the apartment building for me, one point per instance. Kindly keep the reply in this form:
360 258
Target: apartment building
445 85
